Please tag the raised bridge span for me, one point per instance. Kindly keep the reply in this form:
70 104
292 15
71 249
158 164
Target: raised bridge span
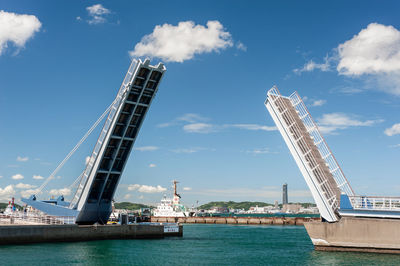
97 185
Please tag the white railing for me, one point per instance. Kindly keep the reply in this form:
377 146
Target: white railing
37 219
321 144
297 134
375 203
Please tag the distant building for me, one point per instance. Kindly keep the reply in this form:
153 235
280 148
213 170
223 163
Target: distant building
276 204
284 194
291 208
216 209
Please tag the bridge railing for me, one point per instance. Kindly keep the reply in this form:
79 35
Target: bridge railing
321 144
24 218
375 203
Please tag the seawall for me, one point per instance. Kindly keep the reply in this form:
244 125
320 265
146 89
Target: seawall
356 234
236 220
23 234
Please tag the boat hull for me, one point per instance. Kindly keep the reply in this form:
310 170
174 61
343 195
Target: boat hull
356 234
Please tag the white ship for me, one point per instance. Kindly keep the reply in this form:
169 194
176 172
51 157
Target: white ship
171 207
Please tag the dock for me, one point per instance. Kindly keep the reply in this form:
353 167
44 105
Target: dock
356 234
237 220
24 234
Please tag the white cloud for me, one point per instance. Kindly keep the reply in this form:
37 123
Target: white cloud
373 55
347 90
259 151
252 127
152 165
146 188
17 28
394 130
182 42
38 177
395 146
187 188
27 193
189 118
374 50
192 118
241 46
17 177
318 103
1 176
7 192
203 128
127 196
61 191
195 123
97 14
22 159
190 150
209 128
146 148
311 66
330 123
24 186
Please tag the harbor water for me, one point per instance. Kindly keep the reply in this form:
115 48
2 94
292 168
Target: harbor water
201 244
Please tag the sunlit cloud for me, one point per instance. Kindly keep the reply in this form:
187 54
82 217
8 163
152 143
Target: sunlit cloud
183 41
17 29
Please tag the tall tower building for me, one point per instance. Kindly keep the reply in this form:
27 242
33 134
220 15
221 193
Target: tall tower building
284 194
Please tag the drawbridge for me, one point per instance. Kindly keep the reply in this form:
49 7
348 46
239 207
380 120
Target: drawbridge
328 185
98 182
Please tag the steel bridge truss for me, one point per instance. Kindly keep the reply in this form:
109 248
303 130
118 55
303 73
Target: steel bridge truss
103 171
319 167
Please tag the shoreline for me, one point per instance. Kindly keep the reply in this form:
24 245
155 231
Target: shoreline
237 220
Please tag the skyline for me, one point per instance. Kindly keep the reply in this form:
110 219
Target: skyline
208 126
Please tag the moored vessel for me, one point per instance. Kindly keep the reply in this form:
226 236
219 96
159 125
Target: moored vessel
172 207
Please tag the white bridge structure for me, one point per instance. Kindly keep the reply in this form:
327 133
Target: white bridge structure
328 185
97 184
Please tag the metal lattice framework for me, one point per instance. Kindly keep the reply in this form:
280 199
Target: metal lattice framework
104 169
98 182
310 151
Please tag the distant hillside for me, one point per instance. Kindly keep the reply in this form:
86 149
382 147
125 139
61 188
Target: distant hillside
130 206
245 204
4 205
233 205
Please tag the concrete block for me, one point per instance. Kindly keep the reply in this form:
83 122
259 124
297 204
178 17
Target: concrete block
267 220
210 220
181 220
200 220
242 220
190 220
220 221
231 221
171 220
254 221
278 221
290 220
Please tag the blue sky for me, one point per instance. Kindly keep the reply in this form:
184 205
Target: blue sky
60 68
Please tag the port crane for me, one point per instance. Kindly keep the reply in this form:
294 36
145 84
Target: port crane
97 184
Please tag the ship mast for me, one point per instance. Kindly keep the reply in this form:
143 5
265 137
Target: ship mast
176 195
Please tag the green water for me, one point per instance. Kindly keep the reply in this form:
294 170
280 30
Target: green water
200 245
